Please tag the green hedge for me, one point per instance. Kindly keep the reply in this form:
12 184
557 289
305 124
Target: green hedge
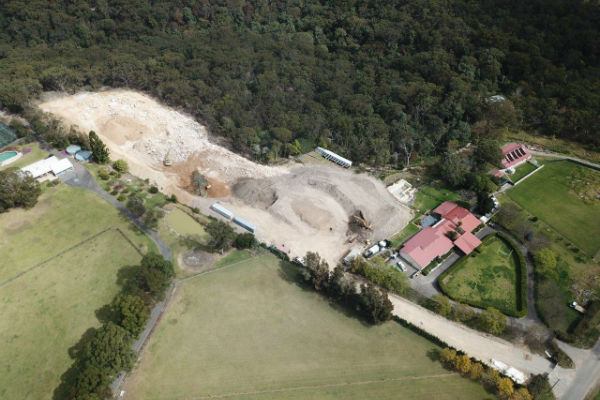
521 277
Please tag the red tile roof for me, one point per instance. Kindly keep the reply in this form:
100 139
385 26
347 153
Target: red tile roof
432 242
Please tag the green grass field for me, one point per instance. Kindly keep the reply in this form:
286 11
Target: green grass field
47 310
185 225
487 279
429 197
405 233
550 195
251 332
63 217
521 171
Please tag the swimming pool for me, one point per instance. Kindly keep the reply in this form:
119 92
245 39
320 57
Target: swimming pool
7 157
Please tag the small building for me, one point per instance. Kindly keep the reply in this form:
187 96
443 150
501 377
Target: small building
83 155
222 210
351 256
48 169
331 156
245 224
514 155
453 228
403 191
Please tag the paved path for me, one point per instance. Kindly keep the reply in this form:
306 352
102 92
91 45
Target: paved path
586 377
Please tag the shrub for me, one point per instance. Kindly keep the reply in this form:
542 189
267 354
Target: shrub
121 166
136 207
244 241
102 174
114 192
121 197
196 210
380 273
153 189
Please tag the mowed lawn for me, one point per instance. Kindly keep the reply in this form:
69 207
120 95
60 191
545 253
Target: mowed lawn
548 195
251 332
487 279
63 217
47 310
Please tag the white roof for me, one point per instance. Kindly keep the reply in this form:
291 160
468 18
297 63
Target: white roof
61 166
50 164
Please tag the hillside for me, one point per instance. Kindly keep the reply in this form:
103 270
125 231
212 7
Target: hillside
376 81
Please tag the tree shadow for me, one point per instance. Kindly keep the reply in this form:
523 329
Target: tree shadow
433 354
67 379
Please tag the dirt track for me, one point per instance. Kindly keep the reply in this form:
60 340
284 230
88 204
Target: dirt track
306 208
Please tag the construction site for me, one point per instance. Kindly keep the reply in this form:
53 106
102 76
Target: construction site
324 208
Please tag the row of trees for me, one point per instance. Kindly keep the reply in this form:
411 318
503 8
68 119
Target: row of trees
381 273
102 353
489 320
376 81
371 302
490 377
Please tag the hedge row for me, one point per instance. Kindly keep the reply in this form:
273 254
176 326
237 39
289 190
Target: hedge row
521 277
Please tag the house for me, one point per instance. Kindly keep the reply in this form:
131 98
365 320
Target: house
453 228
48 169
514 155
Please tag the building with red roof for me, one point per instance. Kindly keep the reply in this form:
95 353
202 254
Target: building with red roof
514 154
437 240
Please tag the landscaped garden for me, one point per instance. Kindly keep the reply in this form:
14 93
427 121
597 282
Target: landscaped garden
49 296
560 195
489 277
251 331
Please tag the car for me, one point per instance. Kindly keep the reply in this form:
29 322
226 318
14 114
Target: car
401 265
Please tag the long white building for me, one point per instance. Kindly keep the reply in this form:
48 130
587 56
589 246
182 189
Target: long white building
48 168
331 156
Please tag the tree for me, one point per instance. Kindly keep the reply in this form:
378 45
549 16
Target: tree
505 387
462 363
17 190
546 261
540 388
476 371
316 271
521 394
462 312
100 153
135 206
156 274
152 217
493 321
375 304
221 234
447 356
441 304
340 286
244 241
452 170
121 166
130 313
487 151
485 204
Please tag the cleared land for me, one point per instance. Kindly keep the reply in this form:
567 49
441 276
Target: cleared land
521 171
487 279
252 332
554 195
307 208
47 310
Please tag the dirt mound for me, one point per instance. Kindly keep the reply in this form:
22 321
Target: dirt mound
256 192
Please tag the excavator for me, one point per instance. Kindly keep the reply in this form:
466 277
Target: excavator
359 219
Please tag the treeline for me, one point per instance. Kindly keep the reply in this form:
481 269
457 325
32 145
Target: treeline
370 302
379 82
104 352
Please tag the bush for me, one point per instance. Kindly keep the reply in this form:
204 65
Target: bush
380 273
153 189
136 207
114 192
102 174
196 210
121 197
244 241
121 166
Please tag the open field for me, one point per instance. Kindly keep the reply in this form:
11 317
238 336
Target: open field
34 155
63 217
185 225
305 207
550 195
486 279
252 332
47 310
429 197
521 171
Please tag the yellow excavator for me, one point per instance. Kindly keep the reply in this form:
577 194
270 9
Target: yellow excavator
359 219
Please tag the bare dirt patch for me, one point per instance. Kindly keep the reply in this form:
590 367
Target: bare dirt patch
196 260
305 208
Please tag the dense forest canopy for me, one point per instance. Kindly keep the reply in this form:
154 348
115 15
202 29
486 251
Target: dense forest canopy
375 80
